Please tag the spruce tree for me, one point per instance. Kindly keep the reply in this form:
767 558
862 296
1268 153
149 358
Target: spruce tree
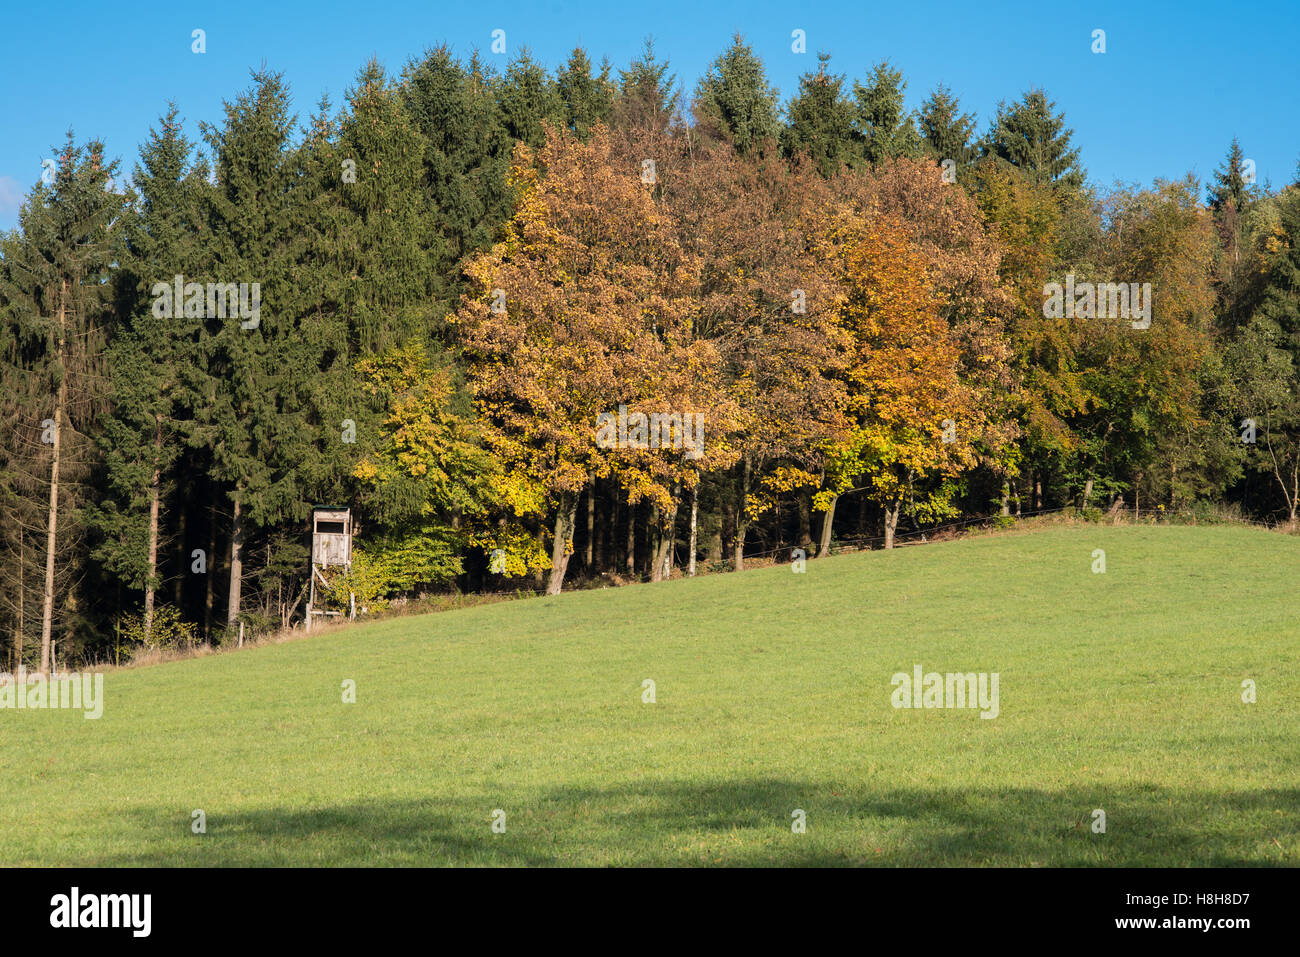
467 157
884 130
734 101
388 244
263 363
649 98
1029 135
1265 358
150 361
528 98
946 132
56 297
1229 187
821 120
587 99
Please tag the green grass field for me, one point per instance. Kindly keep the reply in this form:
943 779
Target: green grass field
1119 691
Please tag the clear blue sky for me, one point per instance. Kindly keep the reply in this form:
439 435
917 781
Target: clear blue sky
1177 81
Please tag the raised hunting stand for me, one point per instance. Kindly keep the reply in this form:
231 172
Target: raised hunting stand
331 544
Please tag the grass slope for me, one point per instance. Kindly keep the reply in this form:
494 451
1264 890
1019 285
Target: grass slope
1119 691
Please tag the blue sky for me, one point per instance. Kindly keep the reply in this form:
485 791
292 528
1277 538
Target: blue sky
1176 83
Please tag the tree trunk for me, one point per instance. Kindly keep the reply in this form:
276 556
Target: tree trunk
591 529
1006 497
672 531
562 545
828 525
665 527
178 582
236 566
1295 495
742 522
539 575
1038 493
598 561
695 522
654 542
891 522
1087 492
210 570
805 522
19 624
1291 495
150 584
52 522
631 540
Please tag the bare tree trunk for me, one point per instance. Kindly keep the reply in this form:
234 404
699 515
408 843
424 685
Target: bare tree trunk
891 522
713 544
665 529
562 545
695 516
602 550
210 570
805 522
179 579
591 528
19 624
1291 495
828 524
1087 492
1295 498
742 522
672 531
1038 493
236 566
1295 494
150 584
1006 497
631 539
52 523
654 542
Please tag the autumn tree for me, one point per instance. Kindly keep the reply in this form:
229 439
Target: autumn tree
576 312
911 417
1144 425
430 484
944 225
765 304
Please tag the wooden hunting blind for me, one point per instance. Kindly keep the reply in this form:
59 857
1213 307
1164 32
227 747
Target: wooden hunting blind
331 547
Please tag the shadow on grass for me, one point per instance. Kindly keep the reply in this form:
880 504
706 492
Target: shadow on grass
743 823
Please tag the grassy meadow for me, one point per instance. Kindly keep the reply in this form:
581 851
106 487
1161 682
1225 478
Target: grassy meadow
1119 691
